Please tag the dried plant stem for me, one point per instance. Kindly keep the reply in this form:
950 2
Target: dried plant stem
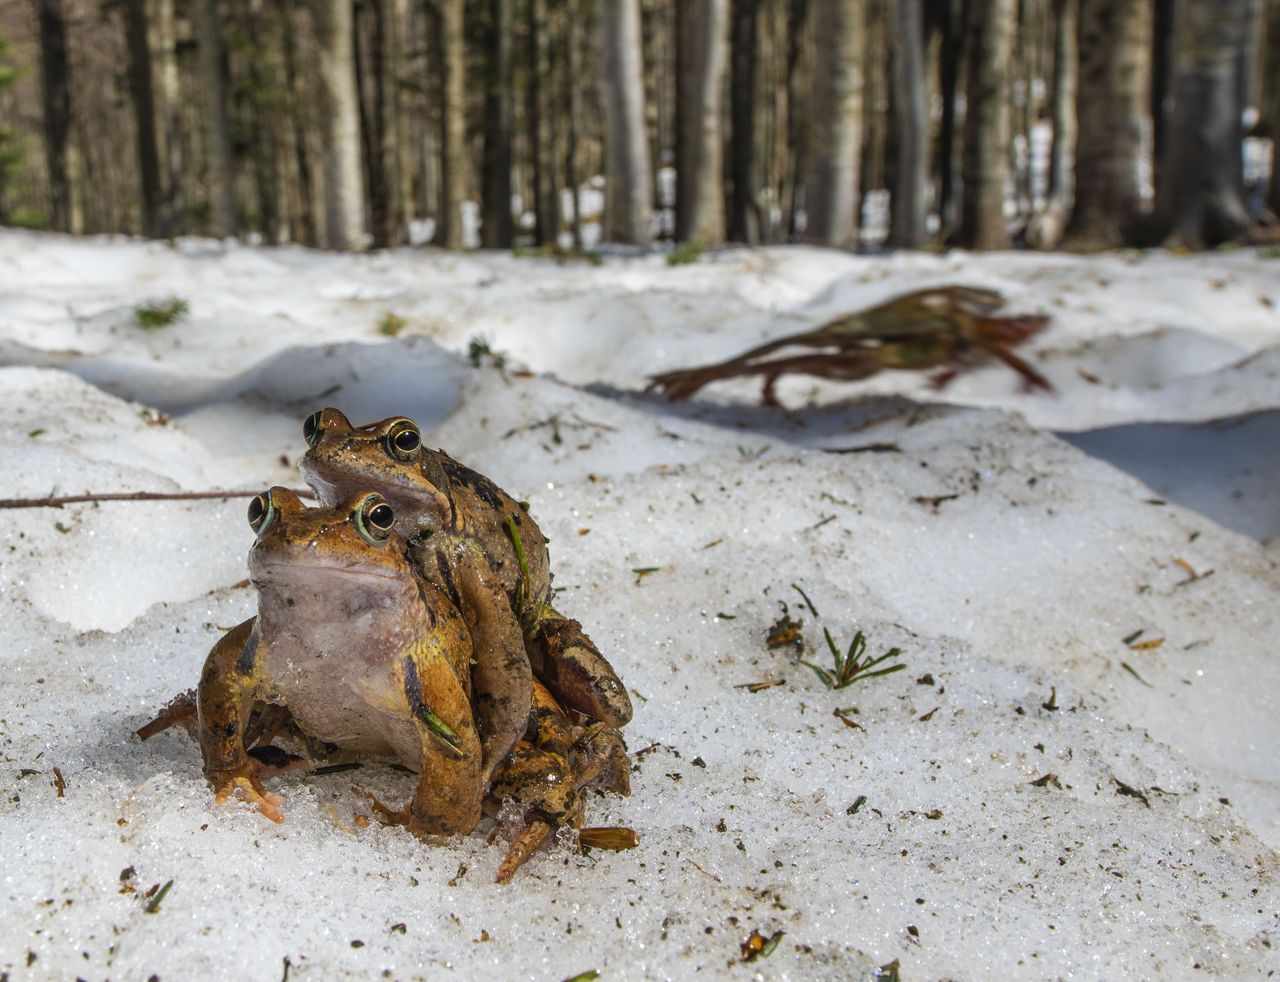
75 499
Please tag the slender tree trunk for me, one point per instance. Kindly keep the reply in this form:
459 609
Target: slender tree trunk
56 95
1271 89
496 231
875 137
702 36
950 19
742 220
300 116
629 177
573 93
165 80
797 114
340 120
546 223
1111 105
371 87
453 123
987 126
911 128
154 219
1047 228
831 181
222 210
1199 202
391 19
1161 95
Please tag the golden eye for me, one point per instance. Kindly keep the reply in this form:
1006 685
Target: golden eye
403 440
375 518
311 429
261 512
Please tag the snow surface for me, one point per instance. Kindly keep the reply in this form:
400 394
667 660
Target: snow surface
1008 563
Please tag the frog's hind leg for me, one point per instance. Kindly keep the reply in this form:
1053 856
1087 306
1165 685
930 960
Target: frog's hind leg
179 711
572 667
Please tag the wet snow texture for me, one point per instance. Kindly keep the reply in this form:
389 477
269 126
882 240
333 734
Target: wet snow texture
1032 798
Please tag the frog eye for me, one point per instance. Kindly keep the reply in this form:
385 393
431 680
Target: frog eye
374 518
261 512
312 431
403 439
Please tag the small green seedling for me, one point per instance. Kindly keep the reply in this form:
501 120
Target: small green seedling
391 324
155 314
480 350
851 667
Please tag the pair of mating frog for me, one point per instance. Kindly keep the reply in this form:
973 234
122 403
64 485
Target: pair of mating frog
409 617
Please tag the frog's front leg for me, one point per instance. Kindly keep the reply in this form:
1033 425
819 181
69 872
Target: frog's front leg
573 668
450 790
224 700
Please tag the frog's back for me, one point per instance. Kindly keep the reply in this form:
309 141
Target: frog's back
482 510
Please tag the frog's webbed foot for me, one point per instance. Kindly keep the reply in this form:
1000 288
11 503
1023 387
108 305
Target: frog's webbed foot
571 666
180 711
271 761
246 785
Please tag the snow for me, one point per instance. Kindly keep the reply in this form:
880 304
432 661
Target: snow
1009 546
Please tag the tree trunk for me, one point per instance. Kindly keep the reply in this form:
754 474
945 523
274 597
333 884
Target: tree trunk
1271 90
573 98
371 91
1199 202
702 48
1111 105
392 15
340 121
155 222
987 126
911 128
56 95
831 181
1161 95
948 16
1047 228
496 230
742 220
300 116
629 177
453 123
797 114
537 116
164 50
222 202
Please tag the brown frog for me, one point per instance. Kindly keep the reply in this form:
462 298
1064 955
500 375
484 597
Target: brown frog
353 652
440 504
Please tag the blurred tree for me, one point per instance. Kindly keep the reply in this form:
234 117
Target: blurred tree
702 45
742 219
1271 92
340 125
56 98
831 176
1200 197
496 231
910 127
987 125
155 221
629 178
452 59
1048 226
208 24
1111 106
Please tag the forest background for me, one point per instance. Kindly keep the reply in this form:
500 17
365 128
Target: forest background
563 123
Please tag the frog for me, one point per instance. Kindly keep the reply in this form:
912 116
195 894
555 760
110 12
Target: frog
364 654
440 502
352 653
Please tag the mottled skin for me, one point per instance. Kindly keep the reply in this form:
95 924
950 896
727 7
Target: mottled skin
353 652
364 655
440 505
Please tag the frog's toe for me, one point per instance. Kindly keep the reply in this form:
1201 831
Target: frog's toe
522 847
250 790
384 814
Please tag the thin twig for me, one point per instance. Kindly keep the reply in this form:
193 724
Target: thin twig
75 499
